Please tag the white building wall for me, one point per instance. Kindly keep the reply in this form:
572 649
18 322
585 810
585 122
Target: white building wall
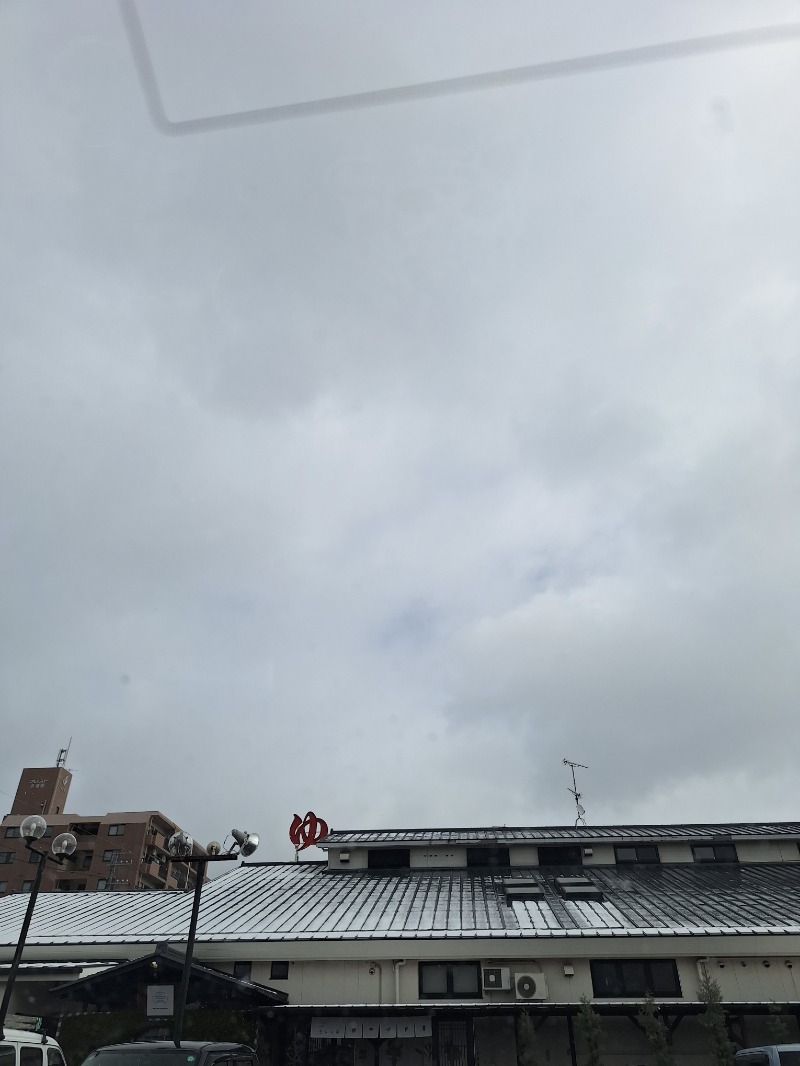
433 857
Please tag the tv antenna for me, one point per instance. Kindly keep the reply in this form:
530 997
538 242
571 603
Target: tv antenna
63 754
581 819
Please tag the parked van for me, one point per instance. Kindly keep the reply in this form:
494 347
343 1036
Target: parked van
22 1048
769 1055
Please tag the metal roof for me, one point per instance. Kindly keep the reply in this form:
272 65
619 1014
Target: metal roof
304 901
548 834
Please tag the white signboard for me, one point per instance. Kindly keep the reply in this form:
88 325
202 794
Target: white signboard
371 1028
160 1001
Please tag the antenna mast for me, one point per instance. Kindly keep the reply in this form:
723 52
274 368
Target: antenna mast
581 819
63 754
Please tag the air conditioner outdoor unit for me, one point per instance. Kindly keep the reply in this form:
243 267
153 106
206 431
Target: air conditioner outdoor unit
496 977
530 986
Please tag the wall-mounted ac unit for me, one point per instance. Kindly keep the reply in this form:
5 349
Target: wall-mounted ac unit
496 977
530 986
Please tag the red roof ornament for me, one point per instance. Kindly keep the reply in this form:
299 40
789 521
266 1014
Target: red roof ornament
304 832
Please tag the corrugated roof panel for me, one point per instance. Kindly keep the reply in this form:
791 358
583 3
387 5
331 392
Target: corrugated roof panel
521 834
307 901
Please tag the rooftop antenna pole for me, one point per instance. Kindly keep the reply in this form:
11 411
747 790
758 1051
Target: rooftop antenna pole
581 819
63 754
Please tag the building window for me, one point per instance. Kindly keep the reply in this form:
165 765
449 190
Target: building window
116 830
27 886
491 856
560 855
278 971
12 831
712 852
110 855
3 886
81 886
637 853
86 859
242 970
33 856
6 857
635 978
449 980
102 883
388 858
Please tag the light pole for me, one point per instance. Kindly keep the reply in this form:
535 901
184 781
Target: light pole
33 828
181 846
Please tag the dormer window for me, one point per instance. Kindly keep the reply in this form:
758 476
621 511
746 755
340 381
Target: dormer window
715 851
494 855
625 853
560 855
388 858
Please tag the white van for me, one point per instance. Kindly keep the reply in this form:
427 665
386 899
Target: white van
769 1055
21 1048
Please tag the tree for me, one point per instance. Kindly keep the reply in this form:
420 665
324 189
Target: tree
714 1023
656 1032
527 1053
590 1029
777 1027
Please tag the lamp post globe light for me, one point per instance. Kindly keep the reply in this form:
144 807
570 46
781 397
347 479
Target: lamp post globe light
183 849
33 828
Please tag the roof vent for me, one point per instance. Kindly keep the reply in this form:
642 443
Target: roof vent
578 888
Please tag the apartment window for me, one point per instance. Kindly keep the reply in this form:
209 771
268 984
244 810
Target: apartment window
64 885
278 971
634 978
12 831
388 858
86 859
27 886
713 852
102 884
449 980
560 855
116 830
110 855
242 970
3 886
33 857
488 856
637 853
6 857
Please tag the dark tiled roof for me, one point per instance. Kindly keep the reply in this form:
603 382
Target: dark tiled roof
546 834
308 902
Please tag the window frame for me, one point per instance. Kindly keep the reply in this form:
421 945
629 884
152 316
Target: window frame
673 991
449 982
489 856
282 968
549 851
715 846
377 858
7 857
117 829
636 848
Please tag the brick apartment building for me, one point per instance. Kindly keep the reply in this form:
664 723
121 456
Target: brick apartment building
122 850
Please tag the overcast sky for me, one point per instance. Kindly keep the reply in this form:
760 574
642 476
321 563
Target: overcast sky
375 461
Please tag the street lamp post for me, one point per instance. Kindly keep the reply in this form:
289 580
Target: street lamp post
181 846
33 828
